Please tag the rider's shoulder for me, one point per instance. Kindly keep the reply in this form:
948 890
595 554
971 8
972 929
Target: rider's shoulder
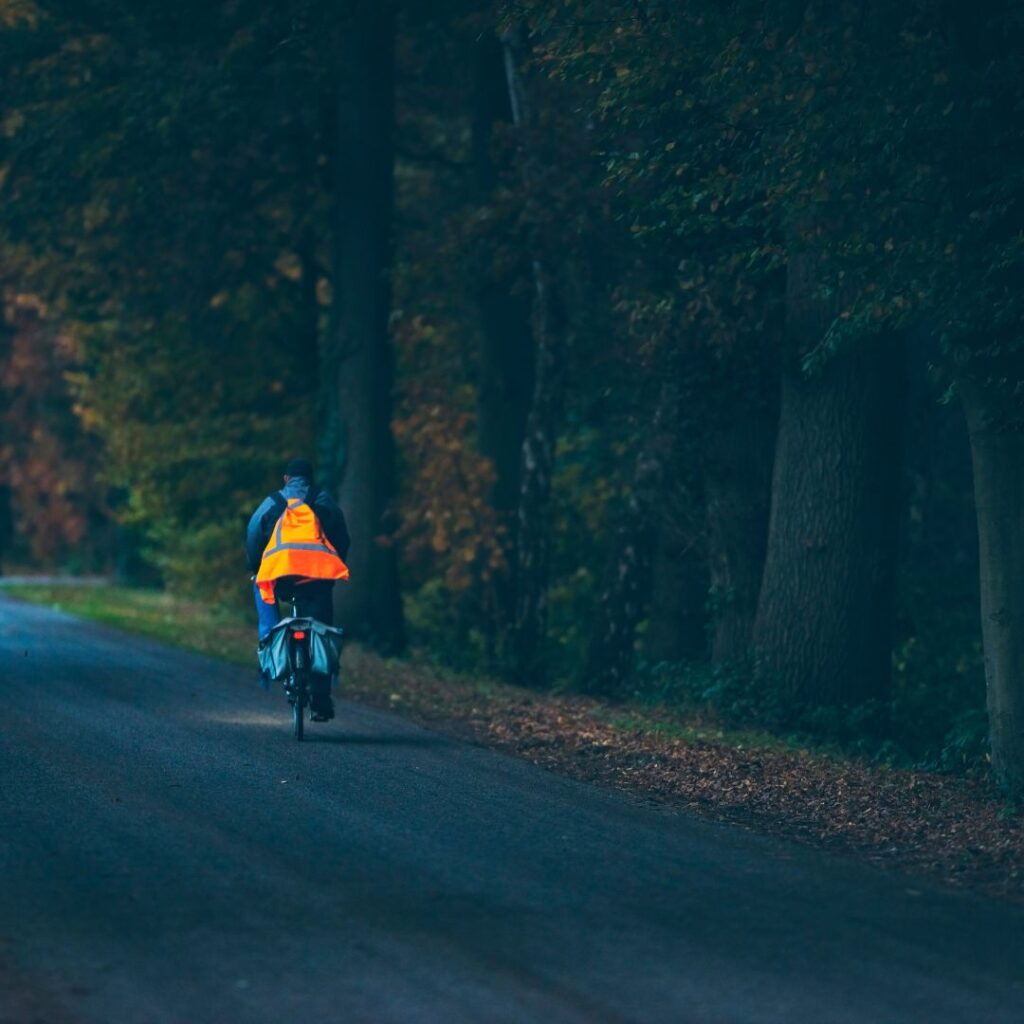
270 502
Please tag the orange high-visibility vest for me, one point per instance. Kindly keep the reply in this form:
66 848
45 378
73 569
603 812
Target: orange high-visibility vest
298 547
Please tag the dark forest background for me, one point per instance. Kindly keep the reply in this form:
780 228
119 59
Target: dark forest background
663 351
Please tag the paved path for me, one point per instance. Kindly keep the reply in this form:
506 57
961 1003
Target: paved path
169 854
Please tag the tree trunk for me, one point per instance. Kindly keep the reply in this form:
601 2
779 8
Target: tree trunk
997 451
370 604
505 384
822 632
737 483
551 338
6 518
609 658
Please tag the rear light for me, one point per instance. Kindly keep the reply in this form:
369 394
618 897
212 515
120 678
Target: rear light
299 634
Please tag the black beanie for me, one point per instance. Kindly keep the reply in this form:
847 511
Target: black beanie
299 467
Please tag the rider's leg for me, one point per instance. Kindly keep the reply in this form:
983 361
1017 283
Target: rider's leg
316 601
266 614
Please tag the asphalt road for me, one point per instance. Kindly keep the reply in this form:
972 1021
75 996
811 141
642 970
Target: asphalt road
169 854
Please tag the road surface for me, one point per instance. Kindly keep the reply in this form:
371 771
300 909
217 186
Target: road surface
168 855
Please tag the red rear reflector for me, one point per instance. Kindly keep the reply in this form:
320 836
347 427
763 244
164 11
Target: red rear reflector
299 634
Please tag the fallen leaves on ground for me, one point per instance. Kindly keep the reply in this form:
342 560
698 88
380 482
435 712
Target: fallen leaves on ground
951 829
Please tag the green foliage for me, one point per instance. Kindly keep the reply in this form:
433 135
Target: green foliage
938 709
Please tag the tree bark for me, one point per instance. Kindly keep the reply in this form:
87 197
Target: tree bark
505 385
737 483
609 659
551 339
6 518
822 632
369 605
997 452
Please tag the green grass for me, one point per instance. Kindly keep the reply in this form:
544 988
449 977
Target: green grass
221 633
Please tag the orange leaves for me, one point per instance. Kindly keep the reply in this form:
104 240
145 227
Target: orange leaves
46 460
449 527
448 518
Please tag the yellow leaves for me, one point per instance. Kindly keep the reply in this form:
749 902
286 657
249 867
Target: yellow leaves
12 123
288 265
94 214
19 12
450 528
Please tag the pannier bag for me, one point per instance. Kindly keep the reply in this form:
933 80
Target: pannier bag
325 643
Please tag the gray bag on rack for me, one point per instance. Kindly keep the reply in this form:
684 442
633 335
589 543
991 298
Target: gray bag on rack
272 653
325 645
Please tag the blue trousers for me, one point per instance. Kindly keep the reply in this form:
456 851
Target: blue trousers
267 615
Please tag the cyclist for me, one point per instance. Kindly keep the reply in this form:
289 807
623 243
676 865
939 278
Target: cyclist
297 554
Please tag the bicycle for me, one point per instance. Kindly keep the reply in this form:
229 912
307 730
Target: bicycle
300 651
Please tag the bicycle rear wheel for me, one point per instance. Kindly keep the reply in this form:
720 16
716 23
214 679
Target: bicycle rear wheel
299 708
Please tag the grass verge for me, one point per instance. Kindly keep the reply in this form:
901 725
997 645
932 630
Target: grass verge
950 829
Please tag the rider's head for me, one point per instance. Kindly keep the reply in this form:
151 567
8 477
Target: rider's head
298 467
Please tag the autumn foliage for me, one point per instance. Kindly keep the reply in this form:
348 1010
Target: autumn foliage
49 463
633 335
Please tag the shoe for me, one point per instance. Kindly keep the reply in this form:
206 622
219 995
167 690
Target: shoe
322 710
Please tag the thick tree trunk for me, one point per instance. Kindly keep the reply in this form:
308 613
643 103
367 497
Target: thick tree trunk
370 604
997 450
609 658
551 339
822 632
737 483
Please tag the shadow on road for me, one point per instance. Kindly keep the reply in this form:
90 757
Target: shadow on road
382 739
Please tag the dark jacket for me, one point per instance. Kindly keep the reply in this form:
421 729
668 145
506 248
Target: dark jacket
261 525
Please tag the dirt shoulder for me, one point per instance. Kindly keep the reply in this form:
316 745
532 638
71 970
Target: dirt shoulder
953 831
